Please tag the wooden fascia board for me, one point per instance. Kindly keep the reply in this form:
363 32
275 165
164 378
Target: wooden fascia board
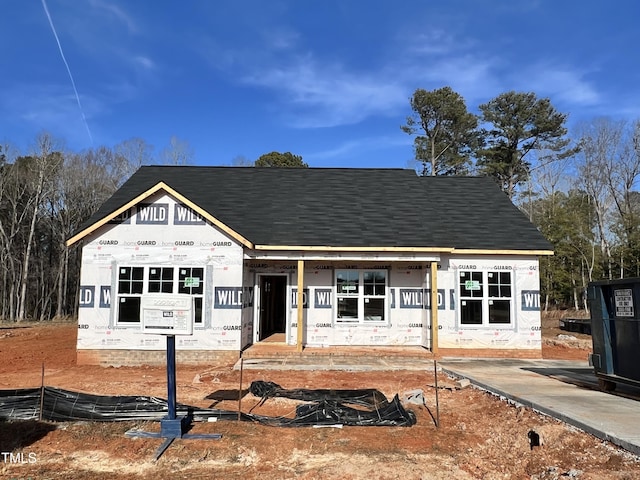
312 248
317 248
502 252
156 188
104 220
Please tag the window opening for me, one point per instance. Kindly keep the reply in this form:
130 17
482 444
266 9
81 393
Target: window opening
133 282
485 297
361 296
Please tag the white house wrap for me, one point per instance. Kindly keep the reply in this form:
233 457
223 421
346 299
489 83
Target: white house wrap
368 241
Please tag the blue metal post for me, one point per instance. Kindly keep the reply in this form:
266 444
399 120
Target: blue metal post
171 376
171 427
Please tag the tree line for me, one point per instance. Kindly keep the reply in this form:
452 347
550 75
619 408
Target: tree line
45 196
580 190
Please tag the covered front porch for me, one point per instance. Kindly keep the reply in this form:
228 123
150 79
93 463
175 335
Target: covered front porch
271 355
312 301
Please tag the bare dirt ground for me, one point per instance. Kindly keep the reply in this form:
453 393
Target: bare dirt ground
480 436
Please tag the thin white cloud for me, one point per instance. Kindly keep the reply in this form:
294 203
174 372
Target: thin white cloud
473 76
281 38
219 56
116 12
479 76
105 33
120 65
312 92
313 89
328 95
561 83
436 42
66 64
144 62
626 109
345 149
50 108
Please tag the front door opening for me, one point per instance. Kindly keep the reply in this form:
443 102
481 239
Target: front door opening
273 301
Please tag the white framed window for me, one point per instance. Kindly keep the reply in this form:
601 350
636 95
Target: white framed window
361 296
130 289
486 298
191 281
134 282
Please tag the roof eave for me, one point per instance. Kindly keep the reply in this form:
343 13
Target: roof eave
452 250
346 248
480 251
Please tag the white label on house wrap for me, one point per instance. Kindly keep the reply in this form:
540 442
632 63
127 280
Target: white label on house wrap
624 302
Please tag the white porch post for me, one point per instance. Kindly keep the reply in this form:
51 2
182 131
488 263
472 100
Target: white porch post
434 307
300 322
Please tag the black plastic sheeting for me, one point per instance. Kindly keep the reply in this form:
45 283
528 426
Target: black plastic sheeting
369 397
322 407
331 407
23 404
60 405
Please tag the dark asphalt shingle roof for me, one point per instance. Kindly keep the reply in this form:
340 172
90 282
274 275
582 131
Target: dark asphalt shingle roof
345 207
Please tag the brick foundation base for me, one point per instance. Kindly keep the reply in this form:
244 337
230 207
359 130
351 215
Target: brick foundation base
135 358
489 353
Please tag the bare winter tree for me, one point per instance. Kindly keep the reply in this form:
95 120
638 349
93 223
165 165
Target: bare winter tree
13 192
623 178
178 152
131 155
609 169
40 168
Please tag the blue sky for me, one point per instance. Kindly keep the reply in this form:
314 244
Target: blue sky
329 80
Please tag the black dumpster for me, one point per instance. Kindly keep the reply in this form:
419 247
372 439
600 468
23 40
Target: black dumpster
615 331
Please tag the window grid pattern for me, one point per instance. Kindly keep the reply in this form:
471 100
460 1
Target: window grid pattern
485 297
133 282
130 289
161 280
191 281
361 295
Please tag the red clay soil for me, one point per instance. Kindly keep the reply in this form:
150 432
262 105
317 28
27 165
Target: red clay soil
479 435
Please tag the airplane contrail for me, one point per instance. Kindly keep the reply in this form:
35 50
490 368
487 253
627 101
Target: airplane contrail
73 83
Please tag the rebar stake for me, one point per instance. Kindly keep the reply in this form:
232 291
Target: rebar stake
41 393
240 388
435 375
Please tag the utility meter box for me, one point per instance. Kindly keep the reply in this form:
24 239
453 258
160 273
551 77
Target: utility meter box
167 314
